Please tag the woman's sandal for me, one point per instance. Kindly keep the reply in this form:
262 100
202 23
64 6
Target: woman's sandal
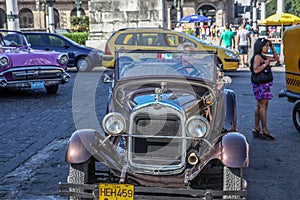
266 136
255 133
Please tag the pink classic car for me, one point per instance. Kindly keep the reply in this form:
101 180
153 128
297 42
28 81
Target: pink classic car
22 67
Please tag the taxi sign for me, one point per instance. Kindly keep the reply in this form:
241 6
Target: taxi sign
111 191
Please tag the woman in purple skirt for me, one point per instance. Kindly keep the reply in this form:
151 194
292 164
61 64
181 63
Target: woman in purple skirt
261 62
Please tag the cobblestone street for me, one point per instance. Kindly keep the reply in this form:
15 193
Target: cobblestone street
36 127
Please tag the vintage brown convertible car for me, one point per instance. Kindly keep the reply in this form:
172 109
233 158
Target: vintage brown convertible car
169 133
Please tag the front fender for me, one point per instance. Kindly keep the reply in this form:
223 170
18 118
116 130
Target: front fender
77 151
235 150
230 120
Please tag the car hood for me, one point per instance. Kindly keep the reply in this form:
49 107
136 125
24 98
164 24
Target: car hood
188 97
223 48
32 58
181 94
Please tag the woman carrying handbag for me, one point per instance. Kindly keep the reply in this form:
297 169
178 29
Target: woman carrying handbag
262 80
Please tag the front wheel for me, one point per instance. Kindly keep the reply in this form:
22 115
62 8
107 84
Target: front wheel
83 65
296 116
82 173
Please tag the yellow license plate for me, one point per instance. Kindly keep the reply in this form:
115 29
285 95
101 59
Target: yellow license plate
110 191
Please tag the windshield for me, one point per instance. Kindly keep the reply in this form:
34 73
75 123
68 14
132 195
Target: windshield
13 39
197 39
189 64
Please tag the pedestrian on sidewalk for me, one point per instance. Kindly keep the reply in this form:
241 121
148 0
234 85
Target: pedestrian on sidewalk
243 44
227 38
260 63
214 32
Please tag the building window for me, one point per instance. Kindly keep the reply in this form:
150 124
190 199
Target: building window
74 12
2 19
26 18
56 18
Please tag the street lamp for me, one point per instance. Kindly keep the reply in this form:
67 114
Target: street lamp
50 15
78 4
11 16
178 5
50 2
37 6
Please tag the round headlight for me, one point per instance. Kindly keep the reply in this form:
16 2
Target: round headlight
63 59
113 123
197 126
231 54
4 61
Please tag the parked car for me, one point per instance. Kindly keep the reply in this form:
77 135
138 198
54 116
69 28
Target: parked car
158 38
22 67
291 50
82 57
62 31
170 131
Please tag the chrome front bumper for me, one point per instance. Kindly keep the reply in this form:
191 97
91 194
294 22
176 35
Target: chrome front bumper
153 193
23 77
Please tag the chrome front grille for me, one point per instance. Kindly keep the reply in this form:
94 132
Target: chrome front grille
157 144
36 74
33 73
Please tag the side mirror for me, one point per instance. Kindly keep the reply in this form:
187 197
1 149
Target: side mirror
66 46
226 80
106 78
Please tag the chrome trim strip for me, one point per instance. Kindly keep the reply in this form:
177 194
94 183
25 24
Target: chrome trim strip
165 137
34 80
156 103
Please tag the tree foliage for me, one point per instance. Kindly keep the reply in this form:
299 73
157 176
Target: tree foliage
290 6
79 37
80 24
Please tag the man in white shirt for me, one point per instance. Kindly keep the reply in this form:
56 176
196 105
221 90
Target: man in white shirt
243 43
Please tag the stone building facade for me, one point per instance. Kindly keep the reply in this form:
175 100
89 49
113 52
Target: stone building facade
107 16
32 14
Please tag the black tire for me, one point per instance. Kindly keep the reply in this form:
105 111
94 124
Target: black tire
52 89
232 181
83 65
81 174
296 116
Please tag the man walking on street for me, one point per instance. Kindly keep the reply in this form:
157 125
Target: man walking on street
243 43
227 38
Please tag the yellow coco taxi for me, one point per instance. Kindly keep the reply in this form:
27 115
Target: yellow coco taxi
163 39
291 50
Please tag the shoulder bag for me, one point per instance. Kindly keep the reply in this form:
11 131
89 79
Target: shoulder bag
265 76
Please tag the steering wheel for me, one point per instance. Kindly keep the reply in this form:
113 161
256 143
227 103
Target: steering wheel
194 73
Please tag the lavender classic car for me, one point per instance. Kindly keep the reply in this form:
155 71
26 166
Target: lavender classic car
22 67
169 133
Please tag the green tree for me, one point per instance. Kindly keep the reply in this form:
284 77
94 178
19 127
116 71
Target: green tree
80 24
290 6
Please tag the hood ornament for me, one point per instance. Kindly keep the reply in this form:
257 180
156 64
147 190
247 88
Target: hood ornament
159 91
158 94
